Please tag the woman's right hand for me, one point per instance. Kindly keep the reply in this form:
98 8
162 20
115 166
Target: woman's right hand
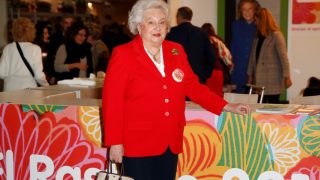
116 153
242 109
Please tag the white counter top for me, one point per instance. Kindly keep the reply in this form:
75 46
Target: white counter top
56 94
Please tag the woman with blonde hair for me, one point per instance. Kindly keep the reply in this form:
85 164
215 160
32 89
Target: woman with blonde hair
13 70
269 64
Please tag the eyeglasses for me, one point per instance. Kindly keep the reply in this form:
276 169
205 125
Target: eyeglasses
151 23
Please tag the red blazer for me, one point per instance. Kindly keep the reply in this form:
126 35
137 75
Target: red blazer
143 110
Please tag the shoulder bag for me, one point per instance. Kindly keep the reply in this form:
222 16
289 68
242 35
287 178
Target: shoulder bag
109 175
26 63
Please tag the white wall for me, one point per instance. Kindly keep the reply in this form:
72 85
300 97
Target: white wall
273 6
203 11
304 43
3 23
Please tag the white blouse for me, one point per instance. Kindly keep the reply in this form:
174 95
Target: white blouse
13 70
160 66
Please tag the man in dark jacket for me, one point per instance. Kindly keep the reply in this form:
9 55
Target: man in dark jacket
195 42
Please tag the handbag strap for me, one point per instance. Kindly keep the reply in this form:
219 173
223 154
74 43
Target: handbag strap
109 169
24 59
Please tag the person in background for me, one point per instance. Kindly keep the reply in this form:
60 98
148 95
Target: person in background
99 50
56 40
43 40
144 92
43 36
61 29
195 42
109 34
12 68
313 87
113 33
73 58
243 31
220 76
269 65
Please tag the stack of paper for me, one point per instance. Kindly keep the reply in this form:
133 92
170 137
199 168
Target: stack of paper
278 108
78 81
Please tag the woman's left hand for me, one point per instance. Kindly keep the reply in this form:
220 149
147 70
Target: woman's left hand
242 109
287 82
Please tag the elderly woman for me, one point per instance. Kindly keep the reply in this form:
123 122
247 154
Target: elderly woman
12 68
144 95
73 58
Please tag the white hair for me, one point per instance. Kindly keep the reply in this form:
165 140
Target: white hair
136 13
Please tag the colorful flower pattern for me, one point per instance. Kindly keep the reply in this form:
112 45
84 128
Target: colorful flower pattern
244 145
27 133
71 136
255 144
309 166
284 146
41 109
201 162
309 135
90 120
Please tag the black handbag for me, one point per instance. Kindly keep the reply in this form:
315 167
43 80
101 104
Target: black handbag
26 63
109 175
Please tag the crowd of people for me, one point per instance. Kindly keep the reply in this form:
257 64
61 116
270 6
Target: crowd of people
257 55
66 48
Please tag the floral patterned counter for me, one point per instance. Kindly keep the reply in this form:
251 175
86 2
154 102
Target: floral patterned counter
64 142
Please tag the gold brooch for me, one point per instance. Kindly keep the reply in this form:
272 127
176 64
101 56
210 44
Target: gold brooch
174 51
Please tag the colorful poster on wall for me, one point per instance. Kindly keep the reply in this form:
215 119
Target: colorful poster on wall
306 12
303 42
